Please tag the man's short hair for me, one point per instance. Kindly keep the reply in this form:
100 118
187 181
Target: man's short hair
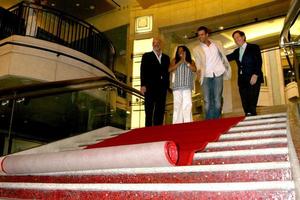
203 28
241 33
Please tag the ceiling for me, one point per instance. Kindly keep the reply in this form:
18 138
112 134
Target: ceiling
261 24
181 33
84 9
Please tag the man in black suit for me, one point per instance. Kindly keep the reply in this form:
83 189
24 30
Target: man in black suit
155 83
250 77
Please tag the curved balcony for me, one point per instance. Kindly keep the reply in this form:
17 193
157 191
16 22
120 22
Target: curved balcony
52 25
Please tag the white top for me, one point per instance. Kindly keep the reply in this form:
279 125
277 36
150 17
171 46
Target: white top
214 64
158 56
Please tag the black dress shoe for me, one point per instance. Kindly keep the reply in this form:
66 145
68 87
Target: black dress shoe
250 114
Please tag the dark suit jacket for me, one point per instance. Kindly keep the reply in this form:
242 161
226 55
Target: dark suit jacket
251 61
153 74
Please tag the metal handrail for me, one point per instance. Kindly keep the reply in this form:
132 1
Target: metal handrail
52 25
288 22
56 87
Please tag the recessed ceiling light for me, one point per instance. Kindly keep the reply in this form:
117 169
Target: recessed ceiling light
92 7
77 4
53 4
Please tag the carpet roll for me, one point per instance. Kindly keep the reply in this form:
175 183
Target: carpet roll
154 154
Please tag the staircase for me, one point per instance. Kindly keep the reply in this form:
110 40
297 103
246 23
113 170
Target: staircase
253 160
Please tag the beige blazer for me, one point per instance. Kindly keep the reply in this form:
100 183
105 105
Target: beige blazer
200 61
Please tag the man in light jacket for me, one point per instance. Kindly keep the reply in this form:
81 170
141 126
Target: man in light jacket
212 67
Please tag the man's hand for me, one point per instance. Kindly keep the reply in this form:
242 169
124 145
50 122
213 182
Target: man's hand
253 79
143 90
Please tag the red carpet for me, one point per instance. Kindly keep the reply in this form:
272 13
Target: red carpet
189 137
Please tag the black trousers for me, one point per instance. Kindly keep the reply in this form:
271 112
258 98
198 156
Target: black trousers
155 101
249 94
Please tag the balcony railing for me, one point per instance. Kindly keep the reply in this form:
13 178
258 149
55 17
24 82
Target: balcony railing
56 26
45 112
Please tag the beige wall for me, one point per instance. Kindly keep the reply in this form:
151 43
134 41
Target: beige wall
44 65
273 92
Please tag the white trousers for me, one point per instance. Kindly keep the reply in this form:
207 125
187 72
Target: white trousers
182 106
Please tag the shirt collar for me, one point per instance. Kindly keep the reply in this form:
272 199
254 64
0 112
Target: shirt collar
244 45
205 45
157 54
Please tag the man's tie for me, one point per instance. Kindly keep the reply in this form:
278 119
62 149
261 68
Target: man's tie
241 52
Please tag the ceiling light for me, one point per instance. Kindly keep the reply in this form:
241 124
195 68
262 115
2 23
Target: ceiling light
92 7
77 4
53 4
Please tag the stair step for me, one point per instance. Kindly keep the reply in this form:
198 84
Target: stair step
253 142
246 134
262 121
259 117
254 152
258 127
275 171
247 147
241 159
246 144
239 190
196 177
241 156
252 134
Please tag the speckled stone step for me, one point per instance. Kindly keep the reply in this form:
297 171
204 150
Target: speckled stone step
219 191
273 171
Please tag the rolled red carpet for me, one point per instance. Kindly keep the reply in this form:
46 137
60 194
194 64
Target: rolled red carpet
189 137
154 154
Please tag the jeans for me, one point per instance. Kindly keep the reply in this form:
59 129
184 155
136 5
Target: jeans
212 89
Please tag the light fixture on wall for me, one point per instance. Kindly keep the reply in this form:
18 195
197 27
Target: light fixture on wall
143 24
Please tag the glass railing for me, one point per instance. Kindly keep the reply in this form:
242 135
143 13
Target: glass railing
41 113
290 41
290 34
52 25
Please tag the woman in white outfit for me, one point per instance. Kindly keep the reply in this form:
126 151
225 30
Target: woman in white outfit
183 67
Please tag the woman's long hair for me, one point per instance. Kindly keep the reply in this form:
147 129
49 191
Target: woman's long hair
188 56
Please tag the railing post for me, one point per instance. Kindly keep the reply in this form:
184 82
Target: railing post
9 146
20 12
90 41
59 28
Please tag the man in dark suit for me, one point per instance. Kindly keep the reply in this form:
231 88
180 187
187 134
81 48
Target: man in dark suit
250 77
155 83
